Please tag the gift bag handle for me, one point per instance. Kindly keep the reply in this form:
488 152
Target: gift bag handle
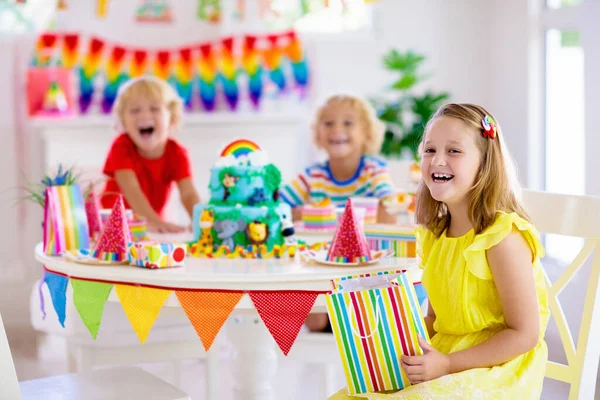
377 318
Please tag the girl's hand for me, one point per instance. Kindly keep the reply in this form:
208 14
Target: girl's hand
165 227
431 365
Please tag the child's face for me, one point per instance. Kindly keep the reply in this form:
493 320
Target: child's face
148 123
450 161
340 131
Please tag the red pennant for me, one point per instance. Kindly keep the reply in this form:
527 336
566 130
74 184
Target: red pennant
208 311
349 243
283 314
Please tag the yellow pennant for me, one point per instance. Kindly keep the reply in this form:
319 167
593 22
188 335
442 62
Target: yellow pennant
141 305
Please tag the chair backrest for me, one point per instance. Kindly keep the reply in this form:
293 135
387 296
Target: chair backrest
577 216
9 385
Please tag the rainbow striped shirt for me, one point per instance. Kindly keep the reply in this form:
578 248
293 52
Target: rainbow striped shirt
372 179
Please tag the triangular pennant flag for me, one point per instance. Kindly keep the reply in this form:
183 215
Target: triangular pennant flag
113 241
57 285
92 210
89 299
208 311
283 314
349 243
141 305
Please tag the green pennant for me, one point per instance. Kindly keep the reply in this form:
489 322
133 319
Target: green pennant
89 299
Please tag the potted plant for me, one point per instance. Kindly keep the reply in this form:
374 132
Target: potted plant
405 111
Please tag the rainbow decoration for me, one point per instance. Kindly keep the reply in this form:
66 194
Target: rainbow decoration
298 60
139 63
272 58
70 44
101 8
400 239
228 73
44 48
87 72
162 65
207 71
114 77
183 76
253 69
239 148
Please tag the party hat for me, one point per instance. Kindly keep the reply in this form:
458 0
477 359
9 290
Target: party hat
113 241
349 243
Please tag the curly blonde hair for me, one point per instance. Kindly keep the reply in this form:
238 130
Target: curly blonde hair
496 186
152 88
374 128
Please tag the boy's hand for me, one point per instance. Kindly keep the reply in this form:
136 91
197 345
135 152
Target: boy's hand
431 365
165 227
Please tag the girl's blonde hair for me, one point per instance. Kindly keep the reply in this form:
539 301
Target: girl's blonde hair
496 186
152 88
375 129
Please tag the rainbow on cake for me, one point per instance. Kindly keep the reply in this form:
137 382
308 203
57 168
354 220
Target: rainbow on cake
244 210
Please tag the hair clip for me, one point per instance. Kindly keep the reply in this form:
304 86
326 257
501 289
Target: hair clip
489 127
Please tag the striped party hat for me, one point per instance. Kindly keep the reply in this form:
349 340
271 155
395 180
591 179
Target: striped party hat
349 244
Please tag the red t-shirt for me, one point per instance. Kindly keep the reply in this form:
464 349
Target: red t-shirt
156 176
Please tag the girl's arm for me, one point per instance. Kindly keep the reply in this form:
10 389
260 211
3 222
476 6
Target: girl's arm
510 262
430 319
189 195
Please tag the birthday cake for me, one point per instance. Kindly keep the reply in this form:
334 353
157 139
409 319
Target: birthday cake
244 208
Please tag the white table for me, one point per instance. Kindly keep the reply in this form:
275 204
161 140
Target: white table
255 363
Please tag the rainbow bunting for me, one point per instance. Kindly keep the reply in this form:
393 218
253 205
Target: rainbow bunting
207 71
183 76
228 73
114 77
253 69
162 65
44 49
139 63
298 60
272 58
70 44
87 72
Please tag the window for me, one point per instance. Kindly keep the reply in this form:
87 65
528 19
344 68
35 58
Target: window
26 17
328 16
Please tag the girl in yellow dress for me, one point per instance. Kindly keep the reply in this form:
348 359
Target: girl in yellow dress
480 257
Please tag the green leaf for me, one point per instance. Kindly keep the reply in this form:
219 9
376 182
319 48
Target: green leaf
406 82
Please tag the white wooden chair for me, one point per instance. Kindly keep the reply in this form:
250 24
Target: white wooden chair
113 383
576 216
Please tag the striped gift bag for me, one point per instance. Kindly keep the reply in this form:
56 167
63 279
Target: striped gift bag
375 319
65 220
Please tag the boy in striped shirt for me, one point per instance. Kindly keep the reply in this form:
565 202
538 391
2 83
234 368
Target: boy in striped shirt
347 128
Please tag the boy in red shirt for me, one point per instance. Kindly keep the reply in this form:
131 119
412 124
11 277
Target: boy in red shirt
144 162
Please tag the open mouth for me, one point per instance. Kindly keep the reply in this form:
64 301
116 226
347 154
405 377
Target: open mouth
146 131
337 142
441 178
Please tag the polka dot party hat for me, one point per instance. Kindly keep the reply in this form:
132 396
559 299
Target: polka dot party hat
113 241
349 244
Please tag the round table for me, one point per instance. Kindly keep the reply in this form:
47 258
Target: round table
255 363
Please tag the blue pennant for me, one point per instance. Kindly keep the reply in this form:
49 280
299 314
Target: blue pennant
57 284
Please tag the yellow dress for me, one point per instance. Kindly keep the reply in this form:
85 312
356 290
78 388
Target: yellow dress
461 289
